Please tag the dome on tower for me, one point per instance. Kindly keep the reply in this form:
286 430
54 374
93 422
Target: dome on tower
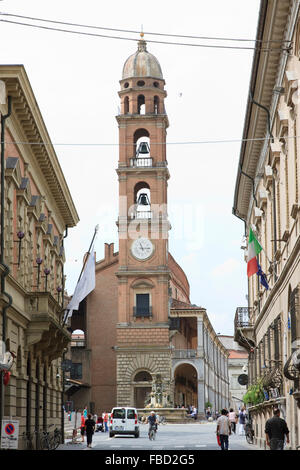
142 64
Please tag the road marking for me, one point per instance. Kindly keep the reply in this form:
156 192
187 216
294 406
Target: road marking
201 445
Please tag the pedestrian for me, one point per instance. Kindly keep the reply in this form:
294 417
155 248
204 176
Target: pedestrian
276 429
208 412
233 419
152 421
223 429
89 429
242 421
82 426
105 421
85 412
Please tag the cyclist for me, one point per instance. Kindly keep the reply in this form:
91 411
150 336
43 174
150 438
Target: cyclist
153 421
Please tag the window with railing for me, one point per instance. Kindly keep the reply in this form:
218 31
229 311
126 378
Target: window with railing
142 307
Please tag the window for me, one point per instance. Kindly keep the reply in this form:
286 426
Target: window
131 414
126 105
119 413
140 83
141 104
142 305
76 371
143 376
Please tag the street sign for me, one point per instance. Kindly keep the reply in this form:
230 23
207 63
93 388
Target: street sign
9 434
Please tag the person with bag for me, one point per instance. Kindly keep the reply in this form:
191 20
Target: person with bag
223 430
89 429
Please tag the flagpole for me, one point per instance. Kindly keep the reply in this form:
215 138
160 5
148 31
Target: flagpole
88 253
95 233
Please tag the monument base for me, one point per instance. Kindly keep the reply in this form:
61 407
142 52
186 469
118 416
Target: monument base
172 415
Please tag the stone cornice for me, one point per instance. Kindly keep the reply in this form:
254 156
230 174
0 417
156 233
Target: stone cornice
26 113
273 18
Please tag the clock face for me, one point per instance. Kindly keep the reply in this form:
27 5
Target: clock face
142 248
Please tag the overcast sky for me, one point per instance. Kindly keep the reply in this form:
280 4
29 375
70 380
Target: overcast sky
75 79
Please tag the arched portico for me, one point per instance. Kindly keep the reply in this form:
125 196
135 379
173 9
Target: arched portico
185 376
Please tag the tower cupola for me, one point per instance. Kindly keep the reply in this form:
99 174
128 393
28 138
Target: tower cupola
142 64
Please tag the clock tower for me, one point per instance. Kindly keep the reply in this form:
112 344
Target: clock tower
143 343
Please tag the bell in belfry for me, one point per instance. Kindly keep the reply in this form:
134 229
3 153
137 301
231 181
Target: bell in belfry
143 200
143 148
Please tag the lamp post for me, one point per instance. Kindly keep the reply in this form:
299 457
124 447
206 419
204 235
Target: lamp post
38 262
46 272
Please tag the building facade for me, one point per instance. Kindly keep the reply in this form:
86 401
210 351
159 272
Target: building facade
267 199
139 323
37 210
237 366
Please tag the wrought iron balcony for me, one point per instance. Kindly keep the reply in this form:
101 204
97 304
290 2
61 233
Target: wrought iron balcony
142 312
242 318
244 327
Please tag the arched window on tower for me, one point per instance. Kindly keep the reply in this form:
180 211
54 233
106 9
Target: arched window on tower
156 105
141 104
141 149
126 105
142 201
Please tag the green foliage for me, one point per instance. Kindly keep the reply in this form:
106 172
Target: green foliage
208 404
254 394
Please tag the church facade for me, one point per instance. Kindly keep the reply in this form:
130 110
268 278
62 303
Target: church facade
138 322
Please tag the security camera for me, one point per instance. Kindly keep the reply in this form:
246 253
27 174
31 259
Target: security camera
244 368
57 376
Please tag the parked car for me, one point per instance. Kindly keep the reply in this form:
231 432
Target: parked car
124 421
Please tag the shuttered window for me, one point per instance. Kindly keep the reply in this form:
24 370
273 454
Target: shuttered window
142 305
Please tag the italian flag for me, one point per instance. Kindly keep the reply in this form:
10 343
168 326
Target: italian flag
254 249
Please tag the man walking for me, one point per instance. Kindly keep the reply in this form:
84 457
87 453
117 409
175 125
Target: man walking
223 429
276 429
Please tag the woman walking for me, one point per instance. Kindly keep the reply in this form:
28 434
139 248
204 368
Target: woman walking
82 427
89 429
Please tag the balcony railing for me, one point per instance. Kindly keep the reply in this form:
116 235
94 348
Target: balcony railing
141 215
242 318
142 312
184 353
146 162
143 162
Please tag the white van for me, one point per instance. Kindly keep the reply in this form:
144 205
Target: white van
124 421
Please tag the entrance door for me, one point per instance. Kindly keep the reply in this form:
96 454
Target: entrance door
140 395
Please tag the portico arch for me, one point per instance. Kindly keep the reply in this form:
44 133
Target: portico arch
185 384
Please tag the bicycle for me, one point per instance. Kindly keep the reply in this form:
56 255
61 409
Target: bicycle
48 441
27 440
57 438
152 432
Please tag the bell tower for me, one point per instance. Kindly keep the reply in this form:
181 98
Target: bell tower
143 345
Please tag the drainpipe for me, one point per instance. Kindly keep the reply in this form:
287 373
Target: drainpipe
63 356
2 228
